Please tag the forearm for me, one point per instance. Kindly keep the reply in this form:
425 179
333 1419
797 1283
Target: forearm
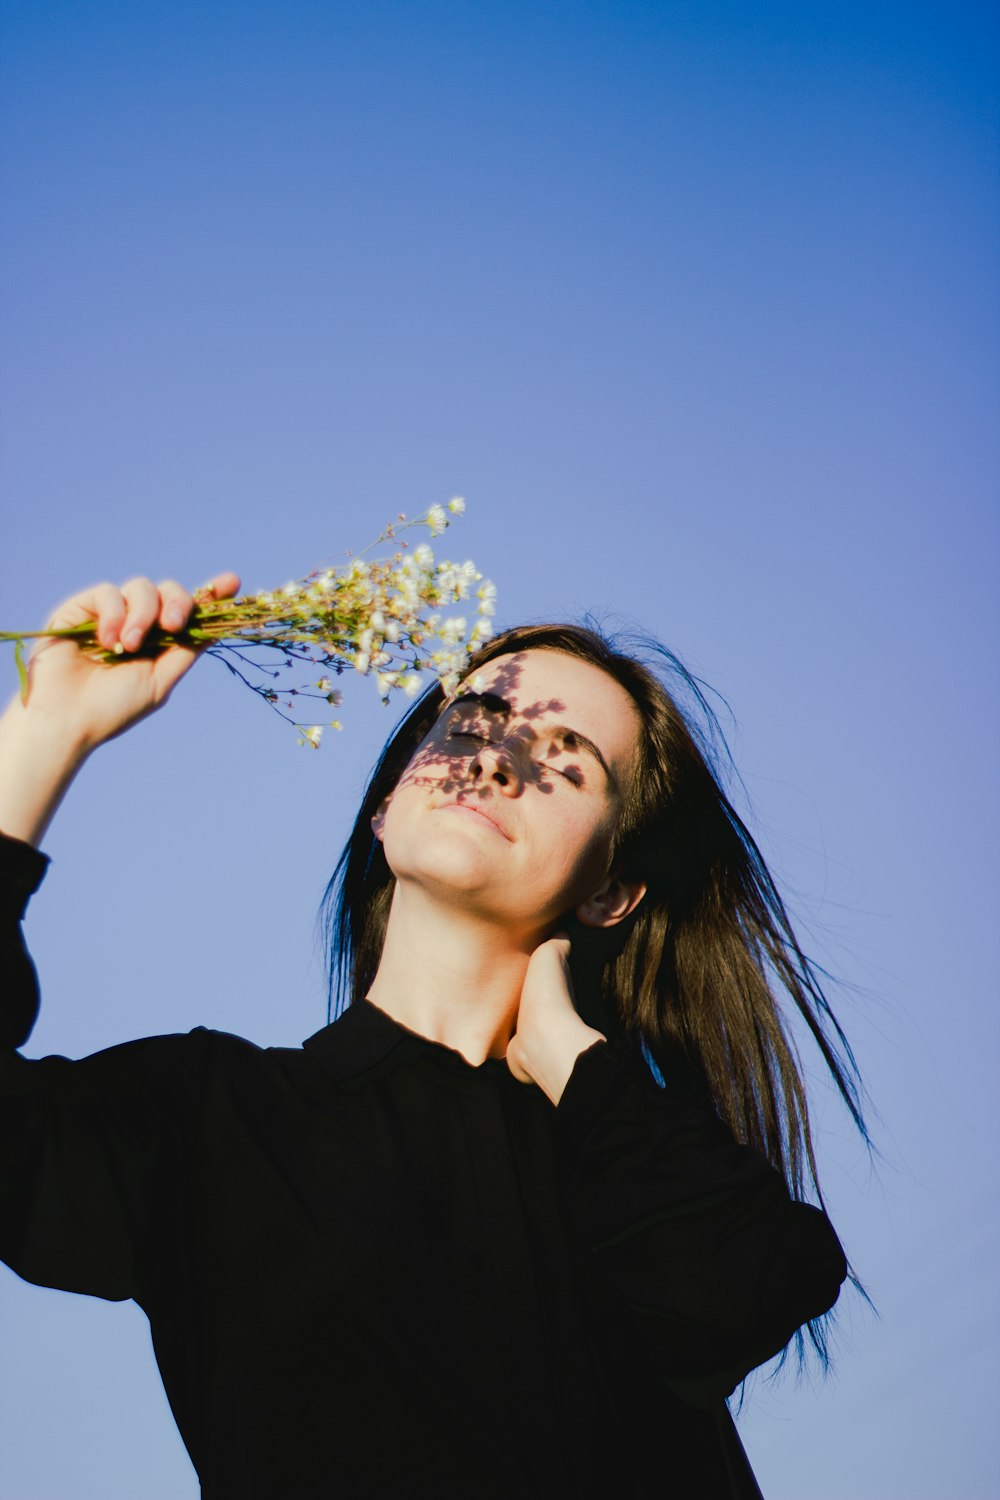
696 1233
39 758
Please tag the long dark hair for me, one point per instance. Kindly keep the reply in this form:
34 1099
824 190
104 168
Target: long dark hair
694 975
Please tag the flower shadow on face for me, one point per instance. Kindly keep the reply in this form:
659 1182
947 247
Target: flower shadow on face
486 714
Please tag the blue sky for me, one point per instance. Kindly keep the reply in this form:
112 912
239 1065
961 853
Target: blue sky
698 307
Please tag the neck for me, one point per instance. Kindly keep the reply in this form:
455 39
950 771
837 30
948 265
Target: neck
450 976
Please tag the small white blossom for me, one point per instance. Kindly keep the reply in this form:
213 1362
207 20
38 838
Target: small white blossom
411 683
452 630
324 684
449 579
362 662
437 520
457 506
311 736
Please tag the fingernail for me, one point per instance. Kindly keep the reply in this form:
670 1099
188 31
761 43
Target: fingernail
131 639
172 619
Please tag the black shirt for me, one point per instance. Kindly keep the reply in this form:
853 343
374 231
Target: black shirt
371 1269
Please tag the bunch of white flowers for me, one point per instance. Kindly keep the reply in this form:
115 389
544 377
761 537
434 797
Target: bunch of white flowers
380 617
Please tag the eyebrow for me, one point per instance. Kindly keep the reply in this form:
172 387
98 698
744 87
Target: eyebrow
573 738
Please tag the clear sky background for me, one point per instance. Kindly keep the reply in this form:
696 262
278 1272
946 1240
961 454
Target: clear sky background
697 305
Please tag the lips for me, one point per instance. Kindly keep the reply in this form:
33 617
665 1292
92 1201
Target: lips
471 810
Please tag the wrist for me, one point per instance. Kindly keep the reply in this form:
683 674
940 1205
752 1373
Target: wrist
549 1055
39 757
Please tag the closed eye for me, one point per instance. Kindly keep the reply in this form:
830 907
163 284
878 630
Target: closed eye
573 776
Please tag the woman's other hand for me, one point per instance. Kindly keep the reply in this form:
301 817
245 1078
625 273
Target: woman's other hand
550 1034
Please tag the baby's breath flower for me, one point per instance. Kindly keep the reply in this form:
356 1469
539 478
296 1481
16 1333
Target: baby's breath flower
453 630
382 616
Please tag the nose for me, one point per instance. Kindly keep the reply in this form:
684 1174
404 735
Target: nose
494 766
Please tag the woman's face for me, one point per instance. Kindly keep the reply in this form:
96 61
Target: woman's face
508 808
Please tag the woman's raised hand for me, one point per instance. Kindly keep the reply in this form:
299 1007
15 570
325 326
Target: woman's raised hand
92 701
75 703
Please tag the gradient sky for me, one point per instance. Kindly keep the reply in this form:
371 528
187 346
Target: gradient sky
698 307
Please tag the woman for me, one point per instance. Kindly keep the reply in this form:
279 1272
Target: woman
463 1242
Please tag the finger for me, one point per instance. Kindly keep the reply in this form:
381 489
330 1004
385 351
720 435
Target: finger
104 604
222 586
176 604
143 600
179 660
225 585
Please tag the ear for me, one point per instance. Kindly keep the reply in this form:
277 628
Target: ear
611 903
378 819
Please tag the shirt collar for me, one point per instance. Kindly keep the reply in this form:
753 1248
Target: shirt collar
358 1040
365 1036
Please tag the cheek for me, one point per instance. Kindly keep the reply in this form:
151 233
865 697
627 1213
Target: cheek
586 850
394 821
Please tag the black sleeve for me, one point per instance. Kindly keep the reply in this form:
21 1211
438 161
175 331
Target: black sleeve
22 870
717 1265
87 1148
